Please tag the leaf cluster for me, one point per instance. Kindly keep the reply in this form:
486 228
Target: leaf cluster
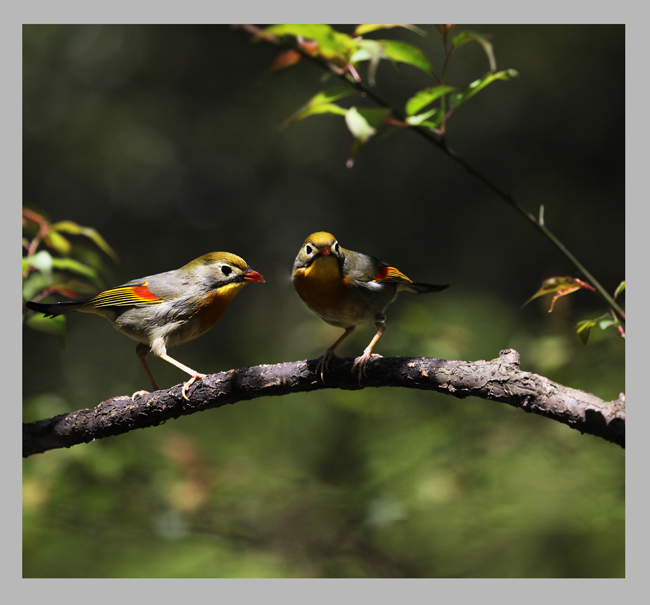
562 286
57 259
430 108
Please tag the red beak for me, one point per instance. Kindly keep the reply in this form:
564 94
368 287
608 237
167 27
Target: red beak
251 275
325 251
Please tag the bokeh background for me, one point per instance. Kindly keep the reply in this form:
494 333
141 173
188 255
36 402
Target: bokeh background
166 140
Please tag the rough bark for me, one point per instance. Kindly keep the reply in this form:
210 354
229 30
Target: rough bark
497 380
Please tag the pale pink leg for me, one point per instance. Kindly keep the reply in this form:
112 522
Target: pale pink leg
367 353
193 373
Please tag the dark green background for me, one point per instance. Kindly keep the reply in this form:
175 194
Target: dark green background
165 139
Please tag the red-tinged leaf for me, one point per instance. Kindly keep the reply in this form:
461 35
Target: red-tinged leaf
560 286
285 59
332 45
559 294
29 216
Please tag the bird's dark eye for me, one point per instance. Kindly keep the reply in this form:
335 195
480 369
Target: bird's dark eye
226 270
308 249
336 247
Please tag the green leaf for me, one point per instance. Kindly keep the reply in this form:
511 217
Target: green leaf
478 85
331 44
422 119
57 242
70 264
331 95
35 284
465 37
41 261
319 104
92 234
425 97
67 227
363 124
603 324
583 329
406 53
366 28
369 50
619 289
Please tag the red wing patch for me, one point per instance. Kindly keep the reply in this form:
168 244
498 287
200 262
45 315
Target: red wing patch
126 295
391 274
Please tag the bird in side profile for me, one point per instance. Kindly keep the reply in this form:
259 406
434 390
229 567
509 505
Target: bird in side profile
347 288
167 309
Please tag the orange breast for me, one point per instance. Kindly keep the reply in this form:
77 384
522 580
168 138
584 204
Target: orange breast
322 288
208 313
215 305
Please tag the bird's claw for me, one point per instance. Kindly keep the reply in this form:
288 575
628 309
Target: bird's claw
139 394
323 364
189 383
361 364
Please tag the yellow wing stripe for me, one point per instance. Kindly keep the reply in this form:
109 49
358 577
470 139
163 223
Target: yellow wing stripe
391 274
137 294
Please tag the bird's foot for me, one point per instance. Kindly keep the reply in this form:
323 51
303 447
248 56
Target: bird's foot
360 364
323 364
139 394
189 383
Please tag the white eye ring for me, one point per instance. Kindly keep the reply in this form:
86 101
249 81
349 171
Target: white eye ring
308 249
226 270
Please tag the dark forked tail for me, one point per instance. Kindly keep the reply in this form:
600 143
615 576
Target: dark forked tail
57 308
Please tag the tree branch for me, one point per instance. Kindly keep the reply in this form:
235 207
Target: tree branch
499 380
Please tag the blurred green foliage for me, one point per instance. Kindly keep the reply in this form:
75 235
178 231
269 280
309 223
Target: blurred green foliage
54 263
165 140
